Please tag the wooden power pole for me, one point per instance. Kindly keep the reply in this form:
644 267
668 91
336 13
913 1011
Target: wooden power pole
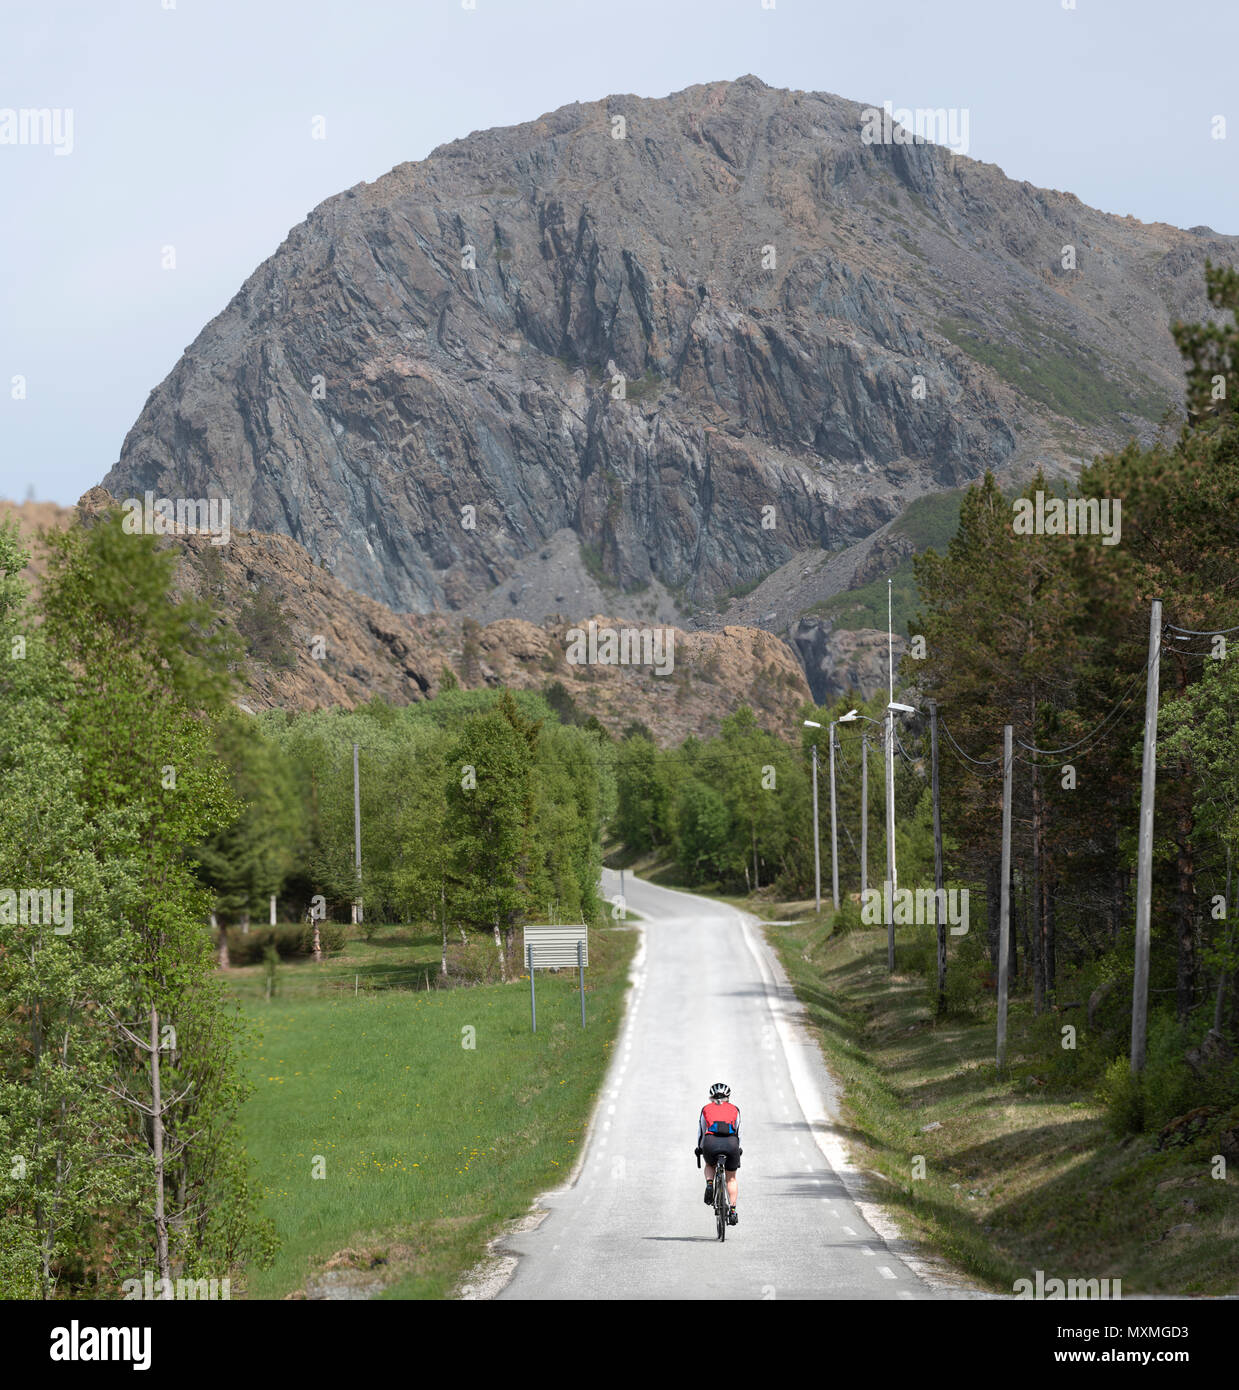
1004 910
1144 863
939 902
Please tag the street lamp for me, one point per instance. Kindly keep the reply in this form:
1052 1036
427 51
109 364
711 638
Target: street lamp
889 738
834 819
817 844
889 735
890 821
851 717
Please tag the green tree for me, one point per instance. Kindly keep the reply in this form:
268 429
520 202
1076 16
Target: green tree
247 860
146 680
493 864
643 797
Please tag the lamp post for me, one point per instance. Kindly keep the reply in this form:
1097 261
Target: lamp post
890 776
850 717
864 814
888 734
834 825
817 844
834 819
890 824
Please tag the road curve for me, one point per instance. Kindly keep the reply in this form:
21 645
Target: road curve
710 1002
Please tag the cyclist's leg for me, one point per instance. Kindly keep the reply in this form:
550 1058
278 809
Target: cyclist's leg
707 1158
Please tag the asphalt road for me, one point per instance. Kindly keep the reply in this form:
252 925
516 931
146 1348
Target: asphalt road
711 1003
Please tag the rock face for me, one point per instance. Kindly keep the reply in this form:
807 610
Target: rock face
311 643
421 386
839 661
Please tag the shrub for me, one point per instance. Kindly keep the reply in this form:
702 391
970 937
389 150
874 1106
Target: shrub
331 938
847 919
476 963
268 634
289 941
1122 1095
1167 1088
966 968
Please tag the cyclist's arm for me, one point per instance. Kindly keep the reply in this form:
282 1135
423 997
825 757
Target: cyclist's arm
701 1126
737 1122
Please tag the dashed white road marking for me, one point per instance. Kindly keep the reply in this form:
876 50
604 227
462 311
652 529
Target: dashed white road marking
886 1272
848 1231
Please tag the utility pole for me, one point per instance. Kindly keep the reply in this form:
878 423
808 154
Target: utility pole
357 913
890 838
1144 869
864 815
834 825
939 897
817 844
1230 931
1004 911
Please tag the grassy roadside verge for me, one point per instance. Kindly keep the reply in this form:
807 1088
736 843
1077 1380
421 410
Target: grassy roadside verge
1019 1174
433 1117
1000 1177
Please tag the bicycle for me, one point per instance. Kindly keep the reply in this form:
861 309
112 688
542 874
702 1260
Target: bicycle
720 1193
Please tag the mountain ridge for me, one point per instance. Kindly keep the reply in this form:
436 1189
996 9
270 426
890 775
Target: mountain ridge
771 289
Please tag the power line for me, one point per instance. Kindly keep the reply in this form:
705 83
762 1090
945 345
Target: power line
904 751
1070 747
1192 632
980 762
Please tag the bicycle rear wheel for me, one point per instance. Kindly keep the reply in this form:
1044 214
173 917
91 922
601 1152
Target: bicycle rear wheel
720 1196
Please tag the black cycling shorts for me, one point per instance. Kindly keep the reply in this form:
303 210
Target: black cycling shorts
724 1146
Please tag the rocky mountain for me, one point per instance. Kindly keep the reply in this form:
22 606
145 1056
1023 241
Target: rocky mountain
311 643
642 355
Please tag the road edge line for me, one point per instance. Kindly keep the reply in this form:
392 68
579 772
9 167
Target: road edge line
488 1278
929 1269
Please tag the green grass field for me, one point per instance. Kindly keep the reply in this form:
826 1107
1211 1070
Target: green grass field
434 1117
395 958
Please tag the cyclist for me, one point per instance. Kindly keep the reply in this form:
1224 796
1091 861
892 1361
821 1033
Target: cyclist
718 1137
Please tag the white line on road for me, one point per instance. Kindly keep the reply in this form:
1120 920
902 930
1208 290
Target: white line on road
887 1273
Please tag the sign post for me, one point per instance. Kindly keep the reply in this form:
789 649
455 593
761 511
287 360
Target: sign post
557 948
580 967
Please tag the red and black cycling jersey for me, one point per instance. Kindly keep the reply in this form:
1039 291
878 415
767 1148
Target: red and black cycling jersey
718 1118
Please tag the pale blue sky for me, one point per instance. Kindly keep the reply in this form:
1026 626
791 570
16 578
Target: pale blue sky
191 126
